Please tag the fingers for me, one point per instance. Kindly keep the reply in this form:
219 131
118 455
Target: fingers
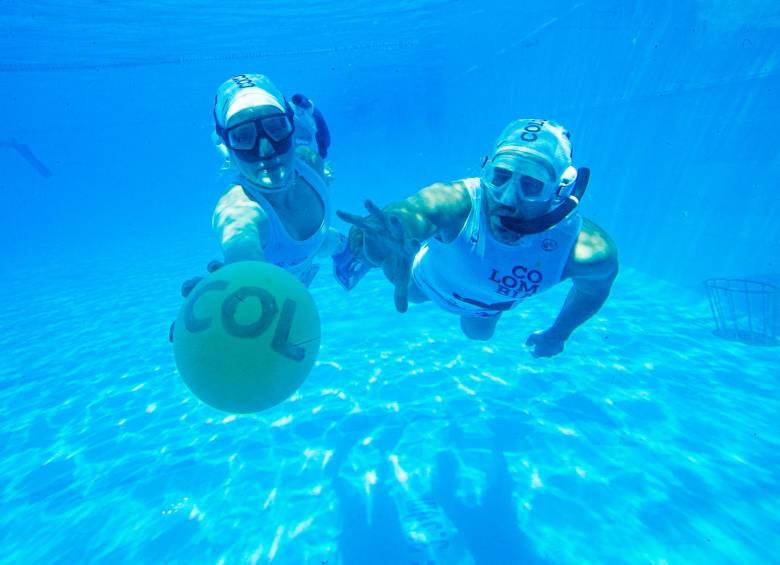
412 246
396 228
188 285
383 238
540 345
375 249
377 221
357 221
375 211
391 224
407 245
355 240
401 282
401 297
214 265
533 343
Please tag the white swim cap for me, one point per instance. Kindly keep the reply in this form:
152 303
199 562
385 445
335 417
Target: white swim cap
245 91
544 140
531 162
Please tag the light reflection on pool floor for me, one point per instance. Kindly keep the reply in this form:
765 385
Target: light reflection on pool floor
647 440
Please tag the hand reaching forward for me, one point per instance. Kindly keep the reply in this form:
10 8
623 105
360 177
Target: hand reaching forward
381 240
545 344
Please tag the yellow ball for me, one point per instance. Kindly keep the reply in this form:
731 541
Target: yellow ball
246 337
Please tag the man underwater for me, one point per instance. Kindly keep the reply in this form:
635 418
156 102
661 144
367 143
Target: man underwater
479 246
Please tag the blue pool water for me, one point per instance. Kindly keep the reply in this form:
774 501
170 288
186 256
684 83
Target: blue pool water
644 442
648 440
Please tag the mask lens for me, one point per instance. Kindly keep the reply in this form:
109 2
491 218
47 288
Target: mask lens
277 127
242 137
531 187
499 176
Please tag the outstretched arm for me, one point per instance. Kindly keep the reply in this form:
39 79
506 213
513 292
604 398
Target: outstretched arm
593 267
390 237
240 224
586 297
438 210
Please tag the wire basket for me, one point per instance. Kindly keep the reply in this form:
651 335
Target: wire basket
744 310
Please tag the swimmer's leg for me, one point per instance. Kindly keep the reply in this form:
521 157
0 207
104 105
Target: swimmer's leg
479 328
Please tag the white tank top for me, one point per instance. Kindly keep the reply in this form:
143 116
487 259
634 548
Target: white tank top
296 256
476 275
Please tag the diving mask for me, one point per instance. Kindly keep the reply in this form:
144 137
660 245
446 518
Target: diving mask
563 208
524 185
246 138
515 174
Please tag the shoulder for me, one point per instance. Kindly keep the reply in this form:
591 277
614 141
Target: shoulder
594 254
234 195
235 203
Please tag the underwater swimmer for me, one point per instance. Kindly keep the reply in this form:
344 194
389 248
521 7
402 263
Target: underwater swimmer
277 209
479 246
